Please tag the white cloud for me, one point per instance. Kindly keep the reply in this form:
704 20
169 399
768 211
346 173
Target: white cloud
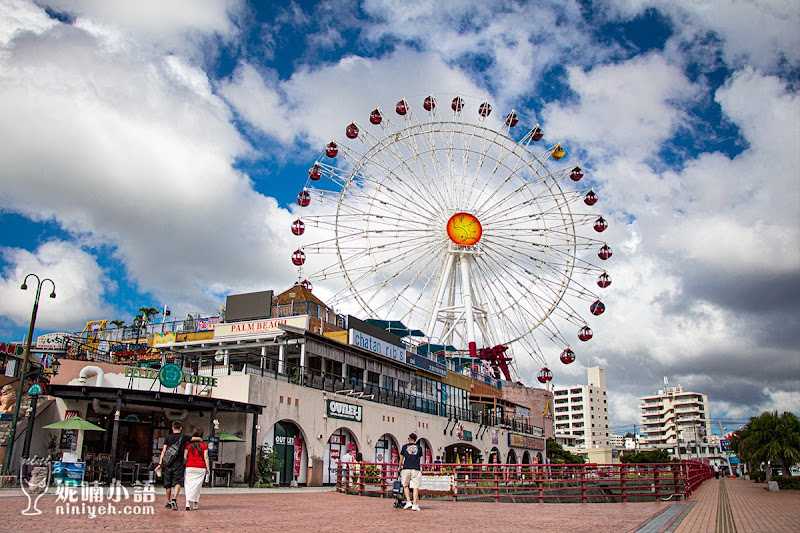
136 152
761 33
80 286
624 110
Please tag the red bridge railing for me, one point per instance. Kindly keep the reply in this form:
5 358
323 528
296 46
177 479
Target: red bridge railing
586 483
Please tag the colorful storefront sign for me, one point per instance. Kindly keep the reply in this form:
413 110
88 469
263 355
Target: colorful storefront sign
344 411
259 327
161 339
515 440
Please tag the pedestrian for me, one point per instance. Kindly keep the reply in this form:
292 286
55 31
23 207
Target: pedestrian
344 466
438 463
410 473
716 472
357 468
171 464
198 468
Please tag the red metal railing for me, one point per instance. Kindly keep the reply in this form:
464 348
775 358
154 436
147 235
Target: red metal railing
535 483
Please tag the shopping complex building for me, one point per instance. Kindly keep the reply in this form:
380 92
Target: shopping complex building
287 372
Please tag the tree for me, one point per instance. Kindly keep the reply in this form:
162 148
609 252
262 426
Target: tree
118 323
558 455
769 437
649 456
147 314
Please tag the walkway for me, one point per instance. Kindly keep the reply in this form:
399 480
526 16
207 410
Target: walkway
750 508
734 505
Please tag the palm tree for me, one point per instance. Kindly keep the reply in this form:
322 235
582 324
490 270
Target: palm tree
770 437
147 314
118 323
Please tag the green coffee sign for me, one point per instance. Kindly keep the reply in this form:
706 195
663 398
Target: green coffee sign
170 376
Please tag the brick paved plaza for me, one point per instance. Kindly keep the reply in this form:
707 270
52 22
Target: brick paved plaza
754 509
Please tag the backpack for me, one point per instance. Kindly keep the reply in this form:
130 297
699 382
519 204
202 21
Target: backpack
172 452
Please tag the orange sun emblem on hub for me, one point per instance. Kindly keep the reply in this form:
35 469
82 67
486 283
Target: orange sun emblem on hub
464 229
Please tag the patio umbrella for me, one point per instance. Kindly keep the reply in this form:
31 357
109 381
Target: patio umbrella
224 436
78 423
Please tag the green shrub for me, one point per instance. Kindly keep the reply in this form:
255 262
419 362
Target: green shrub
788 482
372 474
267 462
758 476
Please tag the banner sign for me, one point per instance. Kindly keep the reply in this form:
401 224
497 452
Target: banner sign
52 341
344 411
257 327
378 346
724 444
423 363
298 456
207 324
515 440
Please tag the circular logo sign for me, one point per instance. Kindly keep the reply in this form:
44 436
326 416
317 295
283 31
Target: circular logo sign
464 229
170 375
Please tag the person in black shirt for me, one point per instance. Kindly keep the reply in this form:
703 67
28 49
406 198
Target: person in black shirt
173 472
410 472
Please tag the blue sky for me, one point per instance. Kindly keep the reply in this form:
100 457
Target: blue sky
153 151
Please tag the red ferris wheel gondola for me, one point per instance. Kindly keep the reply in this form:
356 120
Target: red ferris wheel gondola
585 333
600 225
605 252
597 308
298 257
544 375
576 174
375 117
512 119
457 104
401 108
537 134
314 173
590 198
351 131
603 280
298 227
485 109
429 104
303 199
567 356
307 285
332 149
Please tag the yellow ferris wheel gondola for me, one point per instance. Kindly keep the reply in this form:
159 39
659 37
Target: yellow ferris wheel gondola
558 152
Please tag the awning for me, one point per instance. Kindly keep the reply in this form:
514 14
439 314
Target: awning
164 400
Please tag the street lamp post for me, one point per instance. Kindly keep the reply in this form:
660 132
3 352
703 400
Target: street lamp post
21 388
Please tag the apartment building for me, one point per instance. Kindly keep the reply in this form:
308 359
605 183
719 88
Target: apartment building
678 420
581 412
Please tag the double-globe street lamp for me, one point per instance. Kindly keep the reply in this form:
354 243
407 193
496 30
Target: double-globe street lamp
20 390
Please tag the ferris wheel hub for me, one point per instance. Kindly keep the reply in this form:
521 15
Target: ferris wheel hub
464 229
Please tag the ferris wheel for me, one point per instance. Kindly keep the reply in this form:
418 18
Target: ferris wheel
437 217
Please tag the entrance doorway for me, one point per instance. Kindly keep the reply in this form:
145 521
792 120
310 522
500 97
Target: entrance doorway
387 452
339 442
290 447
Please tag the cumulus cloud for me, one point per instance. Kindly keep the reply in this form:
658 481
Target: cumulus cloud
136 152
81 286
760 33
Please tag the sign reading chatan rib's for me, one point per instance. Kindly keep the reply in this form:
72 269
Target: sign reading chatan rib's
345 411
170 375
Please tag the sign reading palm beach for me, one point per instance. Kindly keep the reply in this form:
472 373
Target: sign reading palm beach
258 327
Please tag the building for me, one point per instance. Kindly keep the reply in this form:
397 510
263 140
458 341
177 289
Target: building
678 421
289 373
617 441
581 412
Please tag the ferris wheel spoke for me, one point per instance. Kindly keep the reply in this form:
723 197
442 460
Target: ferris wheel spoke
401 293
